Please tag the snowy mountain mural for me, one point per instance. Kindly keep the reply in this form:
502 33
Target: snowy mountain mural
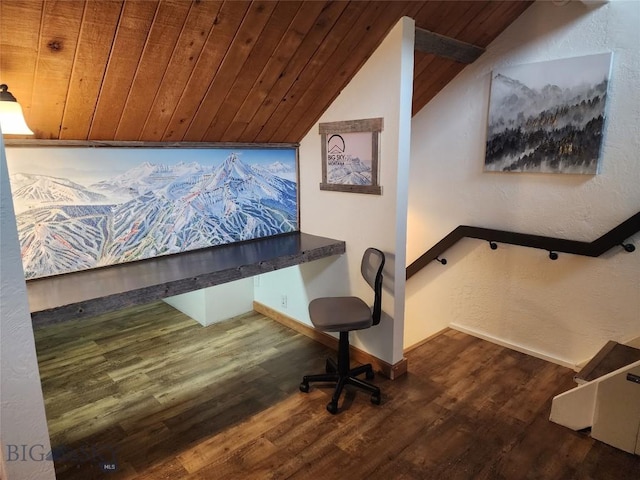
548 117
151 209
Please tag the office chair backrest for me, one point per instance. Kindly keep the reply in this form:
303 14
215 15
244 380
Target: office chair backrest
371 269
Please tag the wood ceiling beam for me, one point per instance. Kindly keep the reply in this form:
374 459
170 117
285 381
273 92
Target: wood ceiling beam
447 47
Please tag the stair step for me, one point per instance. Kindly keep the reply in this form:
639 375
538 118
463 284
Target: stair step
611 357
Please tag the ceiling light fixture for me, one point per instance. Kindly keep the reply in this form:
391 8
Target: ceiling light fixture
11 117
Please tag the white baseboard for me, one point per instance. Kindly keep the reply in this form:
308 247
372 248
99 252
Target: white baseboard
515 346
632 341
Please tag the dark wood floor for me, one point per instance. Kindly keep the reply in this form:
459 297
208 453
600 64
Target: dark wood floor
155 395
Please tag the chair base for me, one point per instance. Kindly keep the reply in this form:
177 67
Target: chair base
340 374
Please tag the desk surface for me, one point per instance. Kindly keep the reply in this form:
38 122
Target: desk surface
92 292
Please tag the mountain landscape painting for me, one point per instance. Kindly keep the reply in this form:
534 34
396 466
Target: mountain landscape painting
548 117
80 208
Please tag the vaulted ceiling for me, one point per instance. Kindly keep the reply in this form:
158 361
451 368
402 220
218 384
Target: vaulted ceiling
215 71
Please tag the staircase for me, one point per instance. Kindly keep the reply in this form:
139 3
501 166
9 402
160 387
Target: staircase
607 398
610 358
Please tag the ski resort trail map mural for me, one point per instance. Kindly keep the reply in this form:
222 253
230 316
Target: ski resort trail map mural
79 208
548 117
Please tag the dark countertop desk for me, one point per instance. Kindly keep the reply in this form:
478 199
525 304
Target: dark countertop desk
92 292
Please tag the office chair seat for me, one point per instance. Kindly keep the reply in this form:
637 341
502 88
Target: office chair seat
340 314
344 314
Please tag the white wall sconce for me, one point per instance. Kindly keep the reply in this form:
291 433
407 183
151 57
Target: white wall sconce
11 117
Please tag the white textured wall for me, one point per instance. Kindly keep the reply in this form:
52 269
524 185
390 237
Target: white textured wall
192 304
214 304
564 310
382 88
22 417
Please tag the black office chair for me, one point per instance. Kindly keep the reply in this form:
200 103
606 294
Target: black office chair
344 314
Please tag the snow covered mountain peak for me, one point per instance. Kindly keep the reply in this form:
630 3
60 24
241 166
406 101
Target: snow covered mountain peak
33 190
236 168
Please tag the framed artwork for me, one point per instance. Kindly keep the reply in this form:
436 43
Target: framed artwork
350 153
548 117
83 208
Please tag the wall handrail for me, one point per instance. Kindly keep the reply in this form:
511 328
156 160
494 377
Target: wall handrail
612 238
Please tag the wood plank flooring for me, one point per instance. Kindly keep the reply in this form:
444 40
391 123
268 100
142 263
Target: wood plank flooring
157 396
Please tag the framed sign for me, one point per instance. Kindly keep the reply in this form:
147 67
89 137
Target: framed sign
350 152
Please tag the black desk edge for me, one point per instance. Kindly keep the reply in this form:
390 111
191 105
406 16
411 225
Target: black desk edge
92 292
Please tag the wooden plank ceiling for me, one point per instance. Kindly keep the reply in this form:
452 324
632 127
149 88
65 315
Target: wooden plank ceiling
214 71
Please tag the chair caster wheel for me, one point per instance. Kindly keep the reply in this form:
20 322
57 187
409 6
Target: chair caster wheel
332 408
369 375
375 398
304 387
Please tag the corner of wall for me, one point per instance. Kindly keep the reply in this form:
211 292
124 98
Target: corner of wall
22 415
382 88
